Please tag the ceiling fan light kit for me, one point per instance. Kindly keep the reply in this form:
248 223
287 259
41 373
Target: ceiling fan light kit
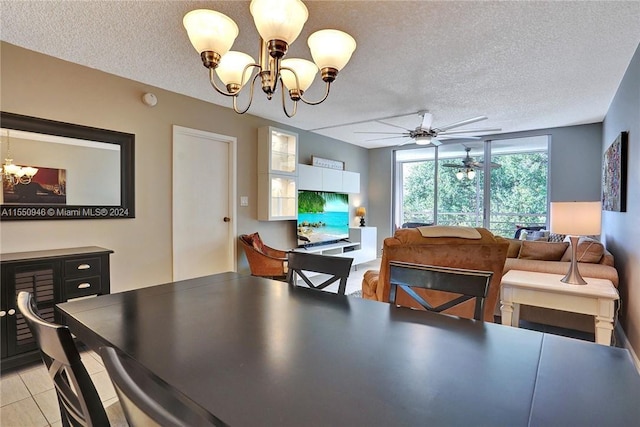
212 35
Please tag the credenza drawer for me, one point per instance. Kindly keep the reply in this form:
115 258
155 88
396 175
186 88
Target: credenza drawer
82 267
74 288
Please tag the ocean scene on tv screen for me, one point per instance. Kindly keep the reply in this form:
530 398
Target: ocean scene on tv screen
322 217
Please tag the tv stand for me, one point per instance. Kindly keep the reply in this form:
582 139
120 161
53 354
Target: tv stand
361 246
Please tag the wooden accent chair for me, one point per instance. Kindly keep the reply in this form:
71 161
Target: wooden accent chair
468 284
264 261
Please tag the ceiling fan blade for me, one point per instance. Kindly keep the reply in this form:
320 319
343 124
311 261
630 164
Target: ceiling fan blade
451 165
436 142
386 137
395 126
462 123
427 120
451 132
447 137
481 165
382 133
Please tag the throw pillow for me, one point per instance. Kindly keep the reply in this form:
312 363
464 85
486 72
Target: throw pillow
553 237
256 241
542 251
589 251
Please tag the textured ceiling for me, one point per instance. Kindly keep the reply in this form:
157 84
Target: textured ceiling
525 65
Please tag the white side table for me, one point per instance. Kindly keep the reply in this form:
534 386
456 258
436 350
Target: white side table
596 298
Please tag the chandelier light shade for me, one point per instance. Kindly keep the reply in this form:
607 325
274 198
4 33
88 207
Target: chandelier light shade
234 69
279 20
331 48
210 31
304 70
279 23
575 219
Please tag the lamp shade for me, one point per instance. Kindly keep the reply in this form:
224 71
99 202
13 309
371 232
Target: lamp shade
576 218
279 19
471 173
361 211
209 30
305 70
331 48
232 67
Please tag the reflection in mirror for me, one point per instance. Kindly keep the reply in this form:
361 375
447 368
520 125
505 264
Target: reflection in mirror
65 170
56 170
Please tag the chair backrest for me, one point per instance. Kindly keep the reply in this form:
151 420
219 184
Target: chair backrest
79 401
337 267
469 283
139 409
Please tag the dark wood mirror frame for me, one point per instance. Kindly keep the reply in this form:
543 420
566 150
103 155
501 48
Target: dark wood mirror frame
126 141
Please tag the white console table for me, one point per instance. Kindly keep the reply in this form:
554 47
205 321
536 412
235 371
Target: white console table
361 246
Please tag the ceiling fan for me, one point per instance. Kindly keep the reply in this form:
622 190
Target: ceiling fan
468 165
426 134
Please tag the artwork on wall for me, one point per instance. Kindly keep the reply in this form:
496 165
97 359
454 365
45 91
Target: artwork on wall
614 175
47 186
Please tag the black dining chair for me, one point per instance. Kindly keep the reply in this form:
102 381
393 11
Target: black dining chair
469 283
145 402
337 268
79 401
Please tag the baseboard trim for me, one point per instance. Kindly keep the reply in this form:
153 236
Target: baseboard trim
626 344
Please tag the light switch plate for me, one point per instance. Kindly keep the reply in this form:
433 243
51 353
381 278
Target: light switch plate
244 201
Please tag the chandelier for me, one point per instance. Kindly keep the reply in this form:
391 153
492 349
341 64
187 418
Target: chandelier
279 22
468 173
14 174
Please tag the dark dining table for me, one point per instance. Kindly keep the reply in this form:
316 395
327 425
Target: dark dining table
250 351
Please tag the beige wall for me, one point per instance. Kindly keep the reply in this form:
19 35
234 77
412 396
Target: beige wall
45 87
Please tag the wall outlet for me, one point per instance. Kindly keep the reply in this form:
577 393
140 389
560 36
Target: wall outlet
244 201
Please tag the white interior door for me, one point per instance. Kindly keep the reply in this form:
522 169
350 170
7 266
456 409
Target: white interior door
203 208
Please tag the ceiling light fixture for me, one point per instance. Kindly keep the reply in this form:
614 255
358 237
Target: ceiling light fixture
279 22
13 173
469 173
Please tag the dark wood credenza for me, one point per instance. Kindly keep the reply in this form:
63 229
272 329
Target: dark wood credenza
52 276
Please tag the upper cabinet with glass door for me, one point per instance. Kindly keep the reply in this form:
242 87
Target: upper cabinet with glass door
277 151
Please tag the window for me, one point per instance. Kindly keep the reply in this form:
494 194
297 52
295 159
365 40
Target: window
517 180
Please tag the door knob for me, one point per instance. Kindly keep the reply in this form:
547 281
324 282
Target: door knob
226 219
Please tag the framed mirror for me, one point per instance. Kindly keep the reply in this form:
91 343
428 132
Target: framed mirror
56 170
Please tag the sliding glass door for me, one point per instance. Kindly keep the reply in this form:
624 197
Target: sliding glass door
453 185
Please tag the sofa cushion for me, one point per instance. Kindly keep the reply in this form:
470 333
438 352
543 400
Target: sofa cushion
553 237
514 248
589 251
543 251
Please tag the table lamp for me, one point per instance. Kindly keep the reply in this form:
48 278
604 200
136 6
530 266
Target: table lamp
575 219
361 212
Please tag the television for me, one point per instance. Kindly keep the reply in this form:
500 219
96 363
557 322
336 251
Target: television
323 217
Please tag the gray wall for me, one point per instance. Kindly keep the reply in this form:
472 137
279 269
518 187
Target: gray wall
621 230
574 170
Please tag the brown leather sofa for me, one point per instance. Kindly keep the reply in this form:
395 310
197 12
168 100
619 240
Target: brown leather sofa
487 253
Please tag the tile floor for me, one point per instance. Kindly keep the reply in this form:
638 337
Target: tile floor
28 399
